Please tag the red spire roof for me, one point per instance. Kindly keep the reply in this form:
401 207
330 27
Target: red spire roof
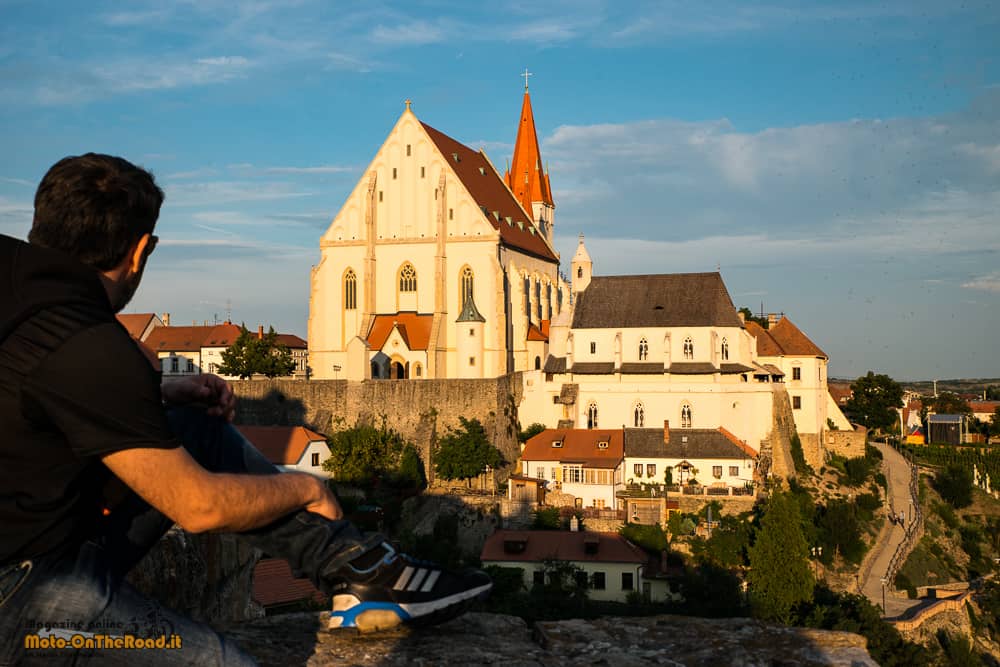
526 178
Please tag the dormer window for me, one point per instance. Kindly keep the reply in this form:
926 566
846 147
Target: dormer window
602 444
557 444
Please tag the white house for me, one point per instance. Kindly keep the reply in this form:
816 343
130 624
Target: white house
290 447
613 566
713 457
583 463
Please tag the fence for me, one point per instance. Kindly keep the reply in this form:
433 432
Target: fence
914 527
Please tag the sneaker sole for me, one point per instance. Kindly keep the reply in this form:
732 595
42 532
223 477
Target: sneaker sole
379 616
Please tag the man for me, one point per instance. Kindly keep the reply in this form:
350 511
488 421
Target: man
81 410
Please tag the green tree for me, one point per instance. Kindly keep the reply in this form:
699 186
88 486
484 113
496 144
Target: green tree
546 518
839 531
364 453
995 422
948 403
411 468
530 432
954 483
780 577
874 400
251 355
749 317
993 392
465 452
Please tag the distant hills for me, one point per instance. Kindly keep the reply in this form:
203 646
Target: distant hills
926 387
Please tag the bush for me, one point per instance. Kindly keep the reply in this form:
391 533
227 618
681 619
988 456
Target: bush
364 453
903 583
858 469
546 518
954 483
465 452
650 538
799 457
947 515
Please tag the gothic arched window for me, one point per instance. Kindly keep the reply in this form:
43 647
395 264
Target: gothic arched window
688 348
592 415
350 290
467 284
639 415
725 350
686 415
579 272
643 350
407 278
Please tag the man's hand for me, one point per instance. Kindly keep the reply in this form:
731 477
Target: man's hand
206 390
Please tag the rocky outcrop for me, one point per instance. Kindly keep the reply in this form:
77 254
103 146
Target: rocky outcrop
490 639
207 577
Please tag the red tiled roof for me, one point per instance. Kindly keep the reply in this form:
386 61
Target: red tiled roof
534 333
292 342
984 406
177 339
282 445
221 335
746 449
793 341
564 545
273 584
491 193
840 392
415 330
526 177
766 346
578 446
135 323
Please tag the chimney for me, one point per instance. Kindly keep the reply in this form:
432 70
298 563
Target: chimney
166 319
666 431
742 316
260 331
772 319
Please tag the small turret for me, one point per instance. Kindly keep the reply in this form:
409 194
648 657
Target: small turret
582 268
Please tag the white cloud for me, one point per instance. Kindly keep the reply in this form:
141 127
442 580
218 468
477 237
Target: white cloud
988 283
212 193
320 169
415 33
17 181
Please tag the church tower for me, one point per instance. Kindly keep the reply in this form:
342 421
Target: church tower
582 268
526 177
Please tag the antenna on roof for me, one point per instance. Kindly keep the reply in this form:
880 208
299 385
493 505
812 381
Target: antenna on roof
229 310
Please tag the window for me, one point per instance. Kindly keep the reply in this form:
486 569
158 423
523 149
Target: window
451 212
651 470
174 365
472 361
686 416
527 297
639 416
538 578
796 402
190 365
418 370
599 503
407 150
573 475
212 367
796 372
394 173
315 460
597 581
380 195
688 348
734 471
643 349
637 469
538 363
540 472
538 300
555 474
579 272
350 290
602 444
468 283
627 581
422 172
593 348
725 350
717 472
407 278
592 415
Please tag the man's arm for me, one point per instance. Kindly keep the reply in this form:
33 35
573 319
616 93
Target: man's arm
200 501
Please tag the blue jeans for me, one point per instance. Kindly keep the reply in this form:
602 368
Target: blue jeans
82 586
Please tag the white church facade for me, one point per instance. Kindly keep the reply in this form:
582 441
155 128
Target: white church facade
438 267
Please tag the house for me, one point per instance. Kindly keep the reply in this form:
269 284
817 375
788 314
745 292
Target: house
945 429
583 463
191 350
524 489
612 566
290 447
436 266
140 325
714 458
984 410
915 436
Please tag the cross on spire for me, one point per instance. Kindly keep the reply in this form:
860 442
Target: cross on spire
526 75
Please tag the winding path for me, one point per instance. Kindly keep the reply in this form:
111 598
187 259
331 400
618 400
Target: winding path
898 474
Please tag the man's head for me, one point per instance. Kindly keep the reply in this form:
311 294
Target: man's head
101 210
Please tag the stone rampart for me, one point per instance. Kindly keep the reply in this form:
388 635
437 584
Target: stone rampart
849 444
778 442
731 505
421 410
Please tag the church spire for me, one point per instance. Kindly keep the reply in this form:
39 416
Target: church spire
526 178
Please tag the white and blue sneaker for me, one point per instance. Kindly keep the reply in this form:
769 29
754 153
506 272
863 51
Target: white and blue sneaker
391 589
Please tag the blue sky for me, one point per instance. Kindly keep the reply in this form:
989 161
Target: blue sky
840 162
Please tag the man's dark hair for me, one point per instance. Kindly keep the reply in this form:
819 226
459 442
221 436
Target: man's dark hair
94 207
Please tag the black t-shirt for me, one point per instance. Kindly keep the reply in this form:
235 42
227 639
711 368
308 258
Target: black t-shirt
74 387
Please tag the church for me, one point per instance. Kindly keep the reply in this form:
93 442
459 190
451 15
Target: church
438 267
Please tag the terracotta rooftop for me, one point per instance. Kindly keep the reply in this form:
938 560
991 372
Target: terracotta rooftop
415 330
841 393
664 300
540 332
135 323
273 584
686 443
793 341
578 446
492 194
766 346
282 445
532 546
193 338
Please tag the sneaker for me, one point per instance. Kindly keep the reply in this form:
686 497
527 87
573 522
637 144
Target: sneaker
387 589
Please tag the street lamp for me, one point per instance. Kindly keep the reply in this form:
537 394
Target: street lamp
817 553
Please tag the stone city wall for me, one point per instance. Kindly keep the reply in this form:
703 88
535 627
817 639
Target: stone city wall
849 444
420 410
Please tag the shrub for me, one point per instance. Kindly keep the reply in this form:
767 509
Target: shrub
546 518
650 538
954 483
798 456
